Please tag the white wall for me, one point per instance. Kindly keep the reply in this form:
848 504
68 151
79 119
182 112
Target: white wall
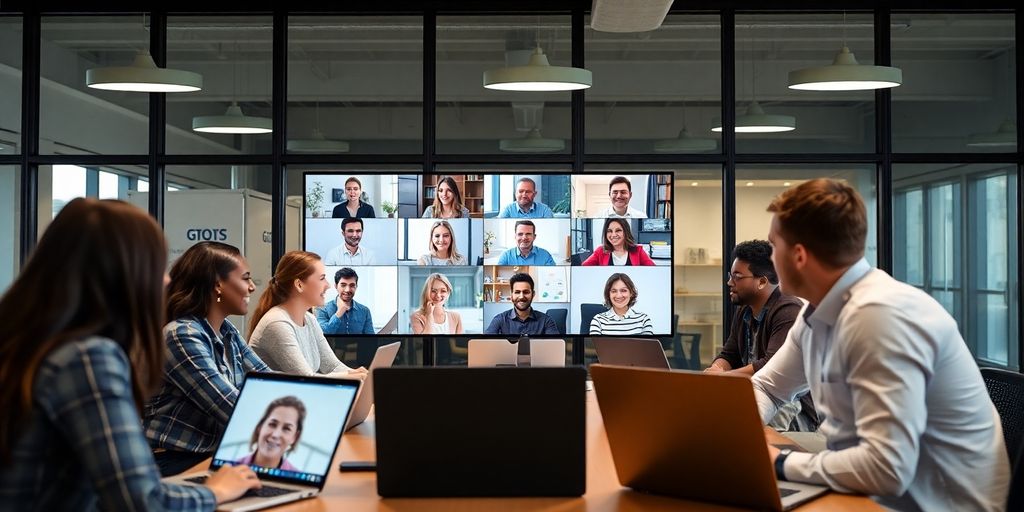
379 236
551 236
376 291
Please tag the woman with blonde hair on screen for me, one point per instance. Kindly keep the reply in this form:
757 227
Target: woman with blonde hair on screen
447 201
432 317
443 250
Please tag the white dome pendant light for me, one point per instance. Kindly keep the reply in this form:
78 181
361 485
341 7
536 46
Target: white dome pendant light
143 75
317 143
685 143
845 74
755 120
538 75
233 120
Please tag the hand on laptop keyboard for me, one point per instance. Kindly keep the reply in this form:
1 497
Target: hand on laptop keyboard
231 482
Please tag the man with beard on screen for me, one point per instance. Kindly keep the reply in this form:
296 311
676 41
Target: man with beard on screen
522 318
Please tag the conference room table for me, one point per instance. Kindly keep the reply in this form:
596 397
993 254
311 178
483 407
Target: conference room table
357 491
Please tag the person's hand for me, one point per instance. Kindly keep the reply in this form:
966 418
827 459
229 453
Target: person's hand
231 482
431 308
360 372
714 369
343 307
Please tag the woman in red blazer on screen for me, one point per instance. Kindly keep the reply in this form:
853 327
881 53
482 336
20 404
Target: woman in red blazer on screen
619 247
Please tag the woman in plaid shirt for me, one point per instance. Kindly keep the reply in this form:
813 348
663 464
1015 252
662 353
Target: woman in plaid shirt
75 370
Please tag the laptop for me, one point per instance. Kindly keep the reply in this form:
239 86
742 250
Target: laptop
268 399
391 326
459 432
691 435
384 358
547 352
642 352
491 352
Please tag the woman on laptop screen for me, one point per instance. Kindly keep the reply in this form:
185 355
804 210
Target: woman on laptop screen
432 317
619 247
620 319
447 202
284 333
79 364
443 250
277 434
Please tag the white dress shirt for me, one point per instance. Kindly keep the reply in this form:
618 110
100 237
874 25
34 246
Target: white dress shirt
631 213
340 256
904 408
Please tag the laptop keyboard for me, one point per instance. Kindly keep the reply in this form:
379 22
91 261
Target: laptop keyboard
787 492
267 491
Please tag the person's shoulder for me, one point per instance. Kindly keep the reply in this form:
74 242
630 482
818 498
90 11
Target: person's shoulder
355 305
76 367
455 315
88 351
429 211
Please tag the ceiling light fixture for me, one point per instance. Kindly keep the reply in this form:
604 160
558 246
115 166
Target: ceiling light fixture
757 121
534 142
685 143
317 143
538 75
1005 136
845 74
143 76
233 121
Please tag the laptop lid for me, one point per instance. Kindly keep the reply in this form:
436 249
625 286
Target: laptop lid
453 431
547 352
642 352
391 326
384 358
686 434
491 352
287 427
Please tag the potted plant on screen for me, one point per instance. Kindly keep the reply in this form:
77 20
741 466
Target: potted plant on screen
315 199
488 241
389 208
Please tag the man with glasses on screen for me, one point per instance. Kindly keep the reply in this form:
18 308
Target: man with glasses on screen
522 318
620 193
524 206
350 253
344 315
525 253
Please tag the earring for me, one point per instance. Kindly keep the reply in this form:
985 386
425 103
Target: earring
218 296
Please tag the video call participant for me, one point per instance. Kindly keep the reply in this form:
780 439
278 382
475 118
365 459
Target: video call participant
522 318
207 357
620 319
276 434
525 253
905 411
344 315
620 192
350 253
432 317
619 248
524 206
443 250
354 207
284 333
760 324
447 201
80 362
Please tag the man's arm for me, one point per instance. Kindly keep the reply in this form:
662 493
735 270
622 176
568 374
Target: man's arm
783 378
329 322
368 323
781 322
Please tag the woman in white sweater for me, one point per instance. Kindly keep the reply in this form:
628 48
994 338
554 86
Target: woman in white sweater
285 334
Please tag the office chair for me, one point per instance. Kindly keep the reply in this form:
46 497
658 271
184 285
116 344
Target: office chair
1006 389
559 315
578 258
587 314
1015 501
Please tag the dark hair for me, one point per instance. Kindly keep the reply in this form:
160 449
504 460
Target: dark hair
619 276
827 217
98 270
350 220
353 178
526 223
345 273
620 179
456 204
757 254
520 278
284 401
629 243
293 265
194 277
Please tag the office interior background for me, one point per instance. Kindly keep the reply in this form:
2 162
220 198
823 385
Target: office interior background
398 90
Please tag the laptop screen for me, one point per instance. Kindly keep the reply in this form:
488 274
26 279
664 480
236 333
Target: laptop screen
287 428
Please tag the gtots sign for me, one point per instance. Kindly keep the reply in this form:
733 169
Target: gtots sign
206 235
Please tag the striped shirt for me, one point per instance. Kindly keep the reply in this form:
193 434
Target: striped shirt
201 379
632 323
82 447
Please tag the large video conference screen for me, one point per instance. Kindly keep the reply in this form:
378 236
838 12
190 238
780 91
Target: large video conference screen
496 254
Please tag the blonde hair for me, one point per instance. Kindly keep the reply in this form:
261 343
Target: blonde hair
425 294
453 250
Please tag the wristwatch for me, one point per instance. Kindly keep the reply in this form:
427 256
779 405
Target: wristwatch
780 463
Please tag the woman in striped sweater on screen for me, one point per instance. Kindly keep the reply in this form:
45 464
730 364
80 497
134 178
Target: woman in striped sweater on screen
620 319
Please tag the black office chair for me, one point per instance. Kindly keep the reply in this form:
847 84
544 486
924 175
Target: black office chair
1006 389
559 315
693 361
578 258
587 313
1015 501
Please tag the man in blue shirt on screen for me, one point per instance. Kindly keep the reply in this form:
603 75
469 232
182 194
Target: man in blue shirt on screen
524 206
344 315
522 318
525 253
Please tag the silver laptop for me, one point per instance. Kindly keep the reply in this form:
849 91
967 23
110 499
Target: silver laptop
384 358
287 428
491 352
642 352
391 326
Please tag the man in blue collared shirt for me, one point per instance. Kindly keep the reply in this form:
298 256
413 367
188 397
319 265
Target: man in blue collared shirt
344 315
525 207
522 318
525 253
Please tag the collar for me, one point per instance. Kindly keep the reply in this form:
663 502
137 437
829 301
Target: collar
533 250
513 316
827 312
772 299
359 250
533 206
630 313
226 329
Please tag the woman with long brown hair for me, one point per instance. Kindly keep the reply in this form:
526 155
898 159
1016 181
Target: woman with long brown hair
618 247
284 332
76 366
208 358
447 201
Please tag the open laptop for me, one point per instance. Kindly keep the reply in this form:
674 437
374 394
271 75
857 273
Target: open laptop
491 352
691 435
384 358
642 352
454 431
299 473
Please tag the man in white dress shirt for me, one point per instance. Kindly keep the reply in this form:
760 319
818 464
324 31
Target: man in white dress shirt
350 253
620 192
903 406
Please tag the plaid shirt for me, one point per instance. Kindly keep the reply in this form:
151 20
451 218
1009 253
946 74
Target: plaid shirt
201 381
82 446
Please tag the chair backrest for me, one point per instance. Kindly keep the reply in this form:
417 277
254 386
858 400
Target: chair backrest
692 362
587 313
547 353
578 258
492 353
559 315
1006 389
1015 501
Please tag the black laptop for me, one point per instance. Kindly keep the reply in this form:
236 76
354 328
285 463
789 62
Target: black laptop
461 432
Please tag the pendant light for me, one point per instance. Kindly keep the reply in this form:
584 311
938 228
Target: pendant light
845 74
685 143
538 75
143 75
233 120
317 143
755 120
1005 136
534 142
